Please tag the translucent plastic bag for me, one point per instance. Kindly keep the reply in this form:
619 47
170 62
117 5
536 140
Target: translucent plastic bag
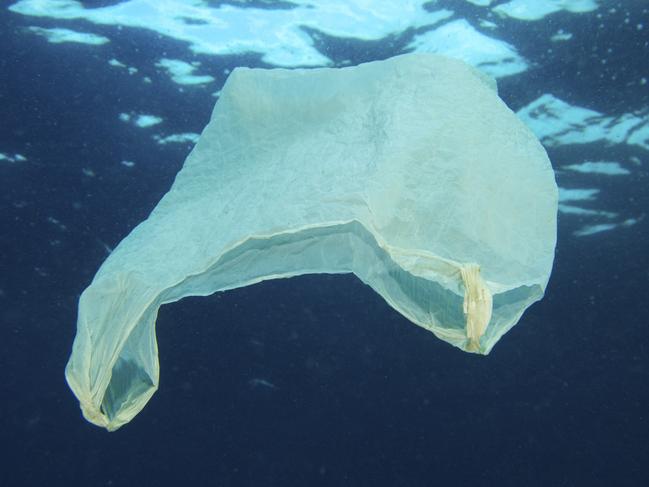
410 173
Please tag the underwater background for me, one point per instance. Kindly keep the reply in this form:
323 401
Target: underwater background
315 380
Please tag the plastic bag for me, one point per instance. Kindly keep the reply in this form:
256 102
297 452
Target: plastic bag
410 173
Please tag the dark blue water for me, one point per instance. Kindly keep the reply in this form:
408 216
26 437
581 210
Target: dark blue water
312 380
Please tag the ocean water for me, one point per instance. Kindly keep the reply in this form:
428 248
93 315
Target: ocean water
315 380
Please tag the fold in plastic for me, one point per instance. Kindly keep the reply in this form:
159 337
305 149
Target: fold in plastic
410 173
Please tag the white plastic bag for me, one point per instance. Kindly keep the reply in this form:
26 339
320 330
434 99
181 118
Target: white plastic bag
410 172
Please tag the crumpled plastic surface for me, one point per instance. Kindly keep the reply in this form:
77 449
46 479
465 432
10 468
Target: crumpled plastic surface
410 173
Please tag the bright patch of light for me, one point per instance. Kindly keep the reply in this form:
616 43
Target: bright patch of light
577 194
461 40
283 37
593 229
188 137
117 64
605 227
561 35
140 120
557 123
538 9
182 72
145 121
12 159
608 168
576 210
57 36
